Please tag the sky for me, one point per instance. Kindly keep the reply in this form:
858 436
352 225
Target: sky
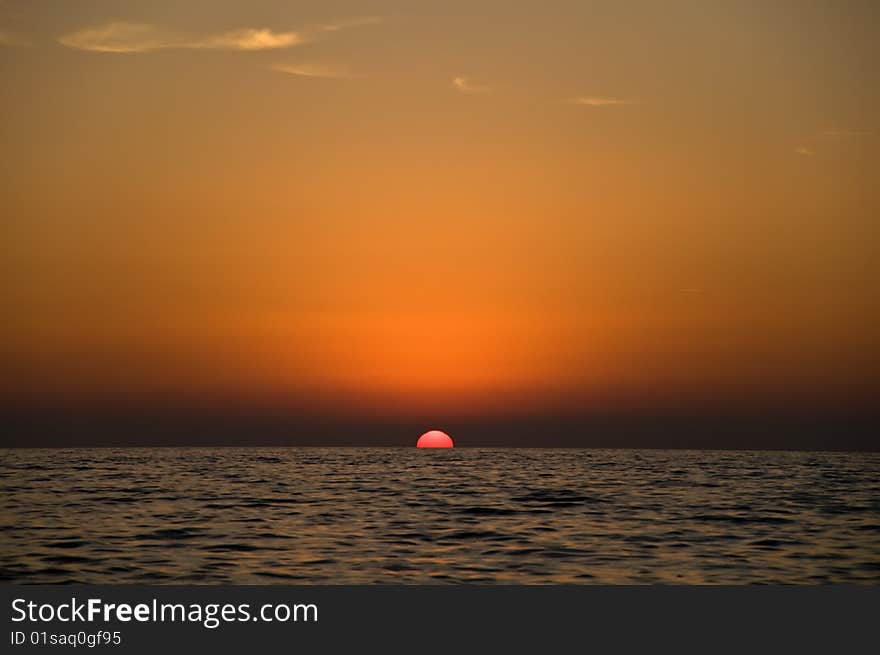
534 220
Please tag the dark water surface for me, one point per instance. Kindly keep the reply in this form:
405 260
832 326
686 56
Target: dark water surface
346 515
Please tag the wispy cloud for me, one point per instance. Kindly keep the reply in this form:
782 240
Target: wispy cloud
312 70
248 39
601 101
125 37
143 37
824 138
465 85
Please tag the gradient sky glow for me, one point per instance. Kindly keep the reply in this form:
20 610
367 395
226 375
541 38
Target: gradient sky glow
441 208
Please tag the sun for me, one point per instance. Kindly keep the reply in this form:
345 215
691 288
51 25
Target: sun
434 439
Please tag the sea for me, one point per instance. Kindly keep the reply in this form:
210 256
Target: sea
465 515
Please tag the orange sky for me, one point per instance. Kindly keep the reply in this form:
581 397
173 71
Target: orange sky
450 208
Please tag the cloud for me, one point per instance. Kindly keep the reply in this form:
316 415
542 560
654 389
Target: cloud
125 37
249 39
143 37
312 70
464 85
599 101
822 138
120 37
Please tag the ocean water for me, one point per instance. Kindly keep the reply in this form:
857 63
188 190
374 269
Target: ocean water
374 515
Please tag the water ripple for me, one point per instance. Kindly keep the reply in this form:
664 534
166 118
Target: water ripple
312 515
